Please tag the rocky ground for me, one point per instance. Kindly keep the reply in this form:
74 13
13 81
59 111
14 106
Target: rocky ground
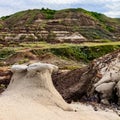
79 85
30 90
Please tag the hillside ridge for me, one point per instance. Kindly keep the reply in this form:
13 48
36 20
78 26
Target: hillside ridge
58 26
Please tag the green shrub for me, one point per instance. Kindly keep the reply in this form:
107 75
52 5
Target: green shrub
49 14
79 53
85 54
74 53
110 28
98 51
6 52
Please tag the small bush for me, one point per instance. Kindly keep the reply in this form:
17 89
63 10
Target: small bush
22 37
6 52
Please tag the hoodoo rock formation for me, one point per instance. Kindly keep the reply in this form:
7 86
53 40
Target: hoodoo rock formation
34 81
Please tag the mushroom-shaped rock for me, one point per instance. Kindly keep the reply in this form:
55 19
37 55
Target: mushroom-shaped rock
35 82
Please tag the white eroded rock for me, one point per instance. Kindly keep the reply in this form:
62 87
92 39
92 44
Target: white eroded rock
105 87
18 68
110 72
34 81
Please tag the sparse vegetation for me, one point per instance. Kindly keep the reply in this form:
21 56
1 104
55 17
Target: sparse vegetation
91 25
79 53
84 53
6 52
49 14
23 61
1 26
105 40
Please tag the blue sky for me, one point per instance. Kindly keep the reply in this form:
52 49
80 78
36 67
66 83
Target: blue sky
108 7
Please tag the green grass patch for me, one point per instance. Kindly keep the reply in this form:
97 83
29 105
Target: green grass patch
85 51
79 53
5 52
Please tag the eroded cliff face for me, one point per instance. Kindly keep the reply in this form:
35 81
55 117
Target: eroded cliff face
109 83
75 18
98 82
54 27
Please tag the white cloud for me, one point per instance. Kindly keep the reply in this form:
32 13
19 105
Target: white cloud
11 3
59 1
4 11
113 14
76 1
111 7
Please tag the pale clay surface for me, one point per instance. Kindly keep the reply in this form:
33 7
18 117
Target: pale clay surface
32 96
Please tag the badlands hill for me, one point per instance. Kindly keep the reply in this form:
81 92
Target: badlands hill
68 25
